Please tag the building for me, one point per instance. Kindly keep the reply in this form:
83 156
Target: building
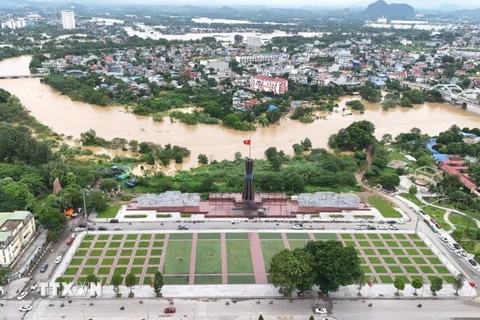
16 230
68 19
268 84
14 24
254 43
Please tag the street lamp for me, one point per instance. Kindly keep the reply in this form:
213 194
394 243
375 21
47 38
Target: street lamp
85 209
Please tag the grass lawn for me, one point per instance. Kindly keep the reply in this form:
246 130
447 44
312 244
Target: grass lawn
120 270
154 261
89 237
141 252
178 257
384 252
420 244
236 236
461 221
158 244
156 252
364 244
96 253
209 236
176 280
406 244
76 262
325 236
366 269
427 252
107 261
129 244
241 279
449 279
426 269
100 245
208 257
442 270
389 260
412 252
380 269
270 236
239 257
208 280
294 244
369 252
373 237
387 236
123 261
395 269
111 253
349 243
374 260
140 261
71 271
132 236
110 211
85 245
346 236
81 253
117 237
269 249
126 253
384 207
114 245
146 236
360 236
159 236
404 260
411 269
434 260
136 270
298 236
378 244
181 236
152 270
144 244
419 260
392 244
400 236
104 270
93 261
398 252
386 279
103 237
88 271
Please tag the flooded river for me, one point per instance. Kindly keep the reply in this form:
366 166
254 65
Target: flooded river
72 118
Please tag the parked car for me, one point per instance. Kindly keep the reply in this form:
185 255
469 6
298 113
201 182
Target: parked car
371 228
401 221
383 227
473 262
90 228
444 239
321 311
297 227
70 240
182 227
309 228
58 259
78 229
169 310
44 267
25 308
456 246
34 286
113 220
391 221
450 246
22 295
82 225
458 253
359 227
392 227
102 228
463 252
118 228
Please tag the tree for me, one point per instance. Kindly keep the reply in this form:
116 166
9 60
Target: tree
399 284
412 190
97 201
436 284
458 283
334 264
360 282
307 144
4 274
356 137
158 284
288 270
238 38
387 137
130 281
71 197
260 317
52 235
417 283
15 196
117 281
202 158
108 184
133 145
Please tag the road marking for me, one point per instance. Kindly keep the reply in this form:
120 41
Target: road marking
202 310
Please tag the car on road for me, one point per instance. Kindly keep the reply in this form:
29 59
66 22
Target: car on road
321 311
34 286
70 240
450 246
118 228
82 225
90 228
401 221
391 221
58 259
25 308
392 227
371 228
473 262
383 227
463 252
309 228
456 246
44 267
359 227
102 228
169 310
297 227
113 220
459 253
22 295
182 227
444 239
78 229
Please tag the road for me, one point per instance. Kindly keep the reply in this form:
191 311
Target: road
104 309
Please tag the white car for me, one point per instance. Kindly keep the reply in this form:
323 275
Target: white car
359 227
34 286
392 227
382 227
309 227
463 252
444 239
25 308
22 295
59 258
401 221
78 229
321 311
297 227
118 228
450 246
459 253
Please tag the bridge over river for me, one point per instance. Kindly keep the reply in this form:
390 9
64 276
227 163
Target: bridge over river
451 93
19 76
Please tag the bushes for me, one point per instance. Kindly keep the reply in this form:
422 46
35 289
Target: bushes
135 216
164 215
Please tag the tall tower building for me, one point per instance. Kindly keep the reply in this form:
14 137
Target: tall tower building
68 19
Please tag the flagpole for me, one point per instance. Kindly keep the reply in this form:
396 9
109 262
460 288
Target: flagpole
250 148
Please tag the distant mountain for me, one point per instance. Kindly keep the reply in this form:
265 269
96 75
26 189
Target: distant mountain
394 10
227 10
466 12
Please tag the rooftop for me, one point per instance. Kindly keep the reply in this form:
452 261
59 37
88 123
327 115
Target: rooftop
9 221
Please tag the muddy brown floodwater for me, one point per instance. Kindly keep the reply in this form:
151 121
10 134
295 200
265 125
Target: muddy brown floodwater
72 118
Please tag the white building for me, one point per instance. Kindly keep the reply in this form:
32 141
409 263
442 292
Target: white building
68 19
16 230
258 58
14 24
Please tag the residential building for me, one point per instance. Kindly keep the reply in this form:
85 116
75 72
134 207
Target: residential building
68 19
268 84
16 230
14 24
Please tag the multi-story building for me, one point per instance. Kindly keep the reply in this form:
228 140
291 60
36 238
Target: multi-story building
16 231
258 58
68 19
14 24
268 84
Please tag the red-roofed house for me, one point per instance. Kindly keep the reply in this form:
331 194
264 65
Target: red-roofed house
268 84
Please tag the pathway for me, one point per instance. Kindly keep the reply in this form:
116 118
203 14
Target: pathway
223 249
447 220
257 259
193 259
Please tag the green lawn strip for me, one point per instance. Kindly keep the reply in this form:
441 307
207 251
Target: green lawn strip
373 236
350 244
270 236
85 245
111 253
175 280
120 270
404 260
395 269
147 280
156 252
96 253
400 236
386 236
126 253
413 236
71 271
420 244
294 244
154 261
81 253
129 244
117 237
269 249
392 244
298 236
89 237
406 244
208 257
346 236
139 261
384 207
107 261
384 252
442 270
369 252
364 244
231 236
132 236
104 270
141 252
404 278
92 261
87 271
449 279
159 236
378 244
76 262
426 269
386 279
136 270
412 252
427 252
380 269
243 279
325 236
103 237
109 212
434 260
411 269
209 236
177 260
363 260
398 252
462 221
100 245
419 260
374 260
123 261
366 269
152 270
208 280
181 236
360 236
239 259
144 244
114 244
389 260
146 236
158 244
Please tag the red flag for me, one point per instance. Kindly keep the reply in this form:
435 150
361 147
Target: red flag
247 142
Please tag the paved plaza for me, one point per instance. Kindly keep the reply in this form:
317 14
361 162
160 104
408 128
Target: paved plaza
242 257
